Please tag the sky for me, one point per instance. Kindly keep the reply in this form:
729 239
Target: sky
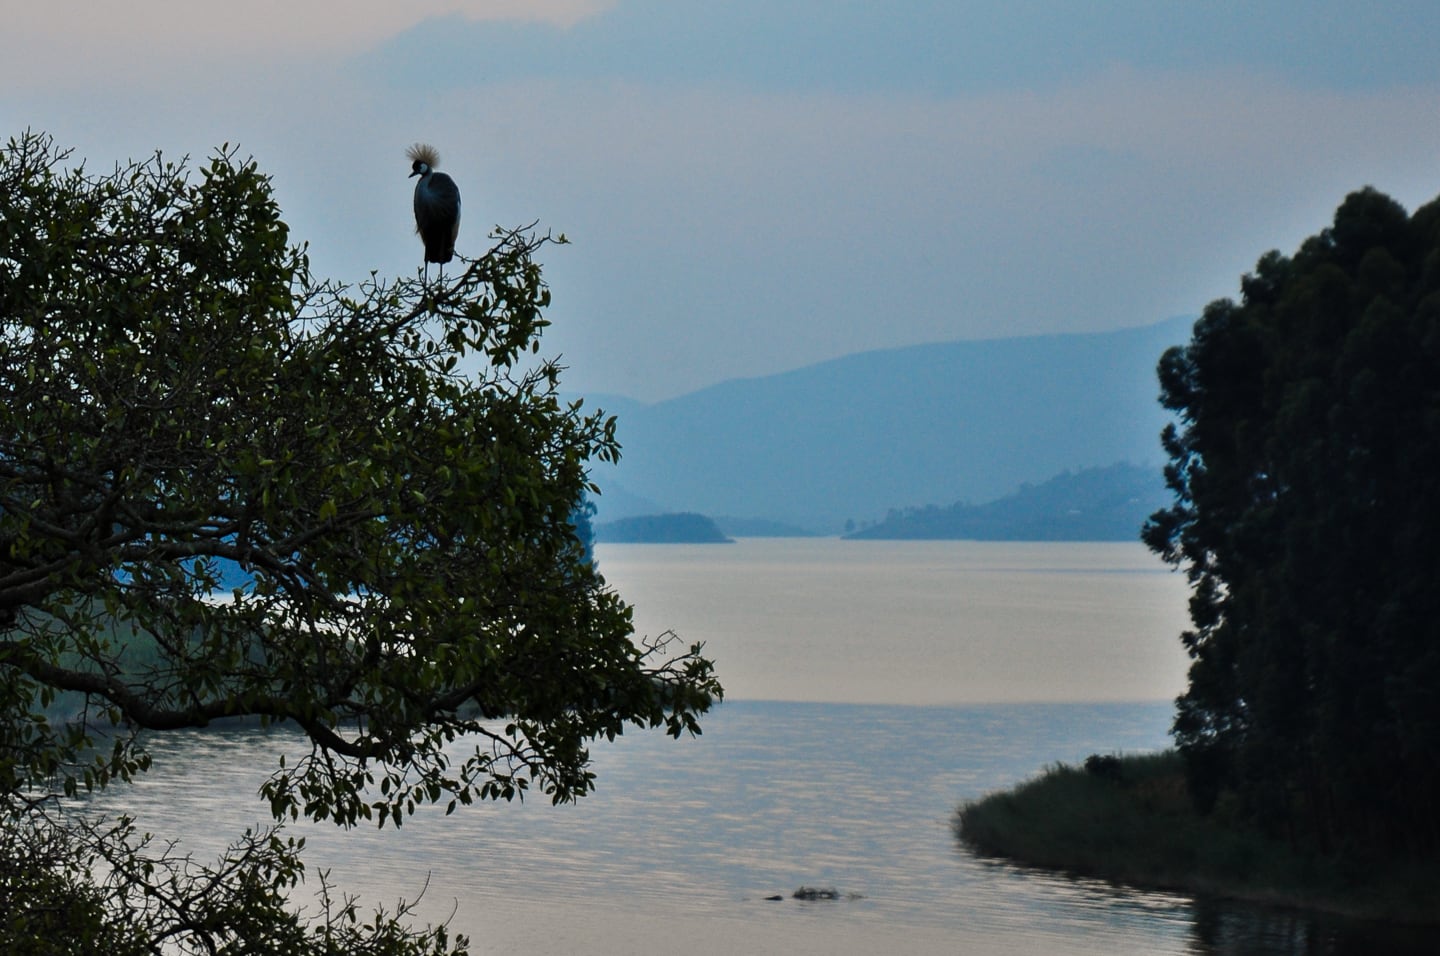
752 186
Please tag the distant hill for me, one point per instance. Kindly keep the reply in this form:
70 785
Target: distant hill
683 528
1096 504
761 528
615 502
852 437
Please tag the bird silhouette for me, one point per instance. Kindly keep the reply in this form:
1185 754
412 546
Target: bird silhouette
437 206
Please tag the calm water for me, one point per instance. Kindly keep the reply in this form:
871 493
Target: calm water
917 622
820 770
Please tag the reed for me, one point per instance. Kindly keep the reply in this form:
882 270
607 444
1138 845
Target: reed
1129 819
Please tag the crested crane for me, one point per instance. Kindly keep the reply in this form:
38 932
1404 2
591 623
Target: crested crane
437 206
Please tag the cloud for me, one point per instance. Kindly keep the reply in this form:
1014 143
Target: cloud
75 43
940 47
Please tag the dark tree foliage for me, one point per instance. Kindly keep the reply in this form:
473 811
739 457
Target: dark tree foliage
1306 468
229 490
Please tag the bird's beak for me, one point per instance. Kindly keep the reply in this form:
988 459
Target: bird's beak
413 174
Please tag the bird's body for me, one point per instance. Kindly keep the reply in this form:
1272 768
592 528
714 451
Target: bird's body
437 204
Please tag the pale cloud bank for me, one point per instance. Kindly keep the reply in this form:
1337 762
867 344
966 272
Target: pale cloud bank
77 43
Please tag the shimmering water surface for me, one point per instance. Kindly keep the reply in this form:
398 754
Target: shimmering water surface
821 769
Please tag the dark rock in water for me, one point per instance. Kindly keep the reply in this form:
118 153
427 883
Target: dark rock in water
773 899
825 893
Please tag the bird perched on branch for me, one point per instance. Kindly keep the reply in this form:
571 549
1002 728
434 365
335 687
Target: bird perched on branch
437 206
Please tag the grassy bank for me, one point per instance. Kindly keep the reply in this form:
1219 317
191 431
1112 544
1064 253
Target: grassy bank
1130 820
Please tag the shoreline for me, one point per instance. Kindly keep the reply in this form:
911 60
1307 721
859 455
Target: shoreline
1128 820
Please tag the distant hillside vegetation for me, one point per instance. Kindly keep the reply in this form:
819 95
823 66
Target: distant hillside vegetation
1095 504
684 528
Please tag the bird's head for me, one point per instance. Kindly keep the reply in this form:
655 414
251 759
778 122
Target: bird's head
423 159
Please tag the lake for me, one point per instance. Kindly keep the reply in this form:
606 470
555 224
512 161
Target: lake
916 622
872 687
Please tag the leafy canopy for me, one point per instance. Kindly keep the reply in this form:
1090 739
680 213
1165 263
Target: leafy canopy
1306 468
229 489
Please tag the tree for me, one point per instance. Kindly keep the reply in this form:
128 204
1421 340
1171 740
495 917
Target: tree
1306 469
230 490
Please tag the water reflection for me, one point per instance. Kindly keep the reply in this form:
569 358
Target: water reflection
1226 927
686 840
683 843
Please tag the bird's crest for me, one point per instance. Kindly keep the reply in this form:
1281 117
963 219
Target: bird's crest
424 153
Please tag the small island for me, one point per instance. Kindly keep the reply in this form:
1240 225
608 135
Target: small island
680 528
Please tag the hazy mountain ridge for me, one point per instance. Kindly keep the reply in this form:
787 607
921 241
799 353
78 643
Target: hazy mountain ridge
683 528
854 437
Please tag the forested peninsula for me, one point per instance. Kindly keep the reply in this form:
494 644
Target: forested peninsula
1304 464
1130 819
